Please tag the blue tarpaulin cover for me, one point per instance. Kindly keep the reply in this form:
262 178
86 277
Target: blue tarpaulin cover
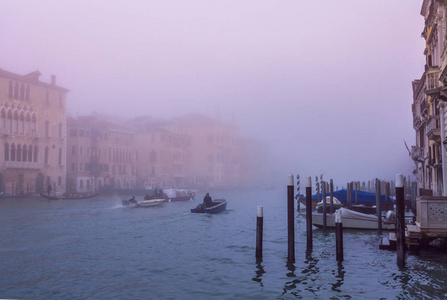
363 197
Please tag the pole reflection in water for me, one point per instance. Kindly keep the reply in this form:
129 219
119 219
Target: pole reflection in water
259 272
340 277
292 285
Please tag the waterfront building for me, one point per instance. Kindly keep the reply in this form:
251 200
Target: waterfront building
213 159
33 134
101 155
163 154
429 98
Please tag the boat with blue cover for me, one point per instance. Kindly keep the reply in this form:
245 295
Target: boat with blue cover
363 198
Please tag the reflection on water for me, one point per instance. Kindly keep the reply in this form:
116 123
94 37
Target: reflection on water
259 272
340 276
90 249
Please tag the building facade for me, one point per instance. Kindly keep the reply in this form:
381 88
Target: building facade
101 155
214 156
429 102
33 134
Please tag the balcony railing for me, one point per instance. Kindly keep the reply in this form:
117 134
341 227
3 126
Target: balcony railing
417 153
22 165
433 128
417 122
432 79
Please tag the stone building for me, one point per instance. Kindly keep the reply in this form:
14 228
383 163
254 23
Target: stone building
101 155
429 102
163 154
213 151
33 134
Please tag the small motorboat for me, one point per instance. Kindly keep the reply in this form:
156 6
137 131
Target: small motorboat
353 220
143 203
217 206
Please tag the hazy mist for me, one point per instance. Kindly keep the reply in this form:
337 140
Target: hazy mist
326 84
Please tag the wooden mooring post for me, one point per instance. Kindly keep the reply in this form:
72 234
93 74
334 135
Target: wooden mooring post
338 236
298 191
309 213
400 221
324 207
259 232
290 221
378 207
331 189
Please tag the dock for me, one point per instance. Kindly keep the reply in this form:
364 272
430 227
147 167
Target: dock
431 224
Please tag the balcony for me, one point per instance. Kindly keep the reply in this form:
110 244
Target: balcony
432 81
417 153
433 129
417 122
22 165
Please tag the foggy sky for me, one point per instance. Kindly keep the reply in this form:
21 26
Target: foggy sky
327 84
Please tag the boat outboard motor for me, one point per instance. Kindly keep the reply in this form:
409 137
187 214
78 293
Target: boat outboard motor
390 216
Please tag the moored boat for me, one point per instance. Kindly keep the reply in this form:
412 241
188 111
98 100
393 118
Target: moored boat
69 196
363 198
217 206
352 219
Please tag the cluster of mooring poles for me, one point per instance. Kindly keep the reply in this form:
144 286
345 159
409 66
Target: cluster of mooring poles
400 216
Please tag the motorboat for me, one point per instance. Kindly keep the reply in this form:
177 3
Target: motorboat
353 220
217 206
143 203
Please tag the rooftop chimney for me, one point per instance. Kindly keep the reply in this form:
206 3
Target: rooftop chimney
53 79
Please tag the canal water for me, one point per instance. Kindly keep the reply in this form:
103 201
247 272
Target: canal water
97 249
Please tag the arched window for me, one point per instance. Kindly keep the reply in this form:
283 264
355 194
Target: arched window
13 152
9 123
30 153
27 92
3 121
19 152
6 152
27 124
16 91
16 123
36 152
47 153
60 156
47 128
10 89
33 124
22 123
22 91
24 153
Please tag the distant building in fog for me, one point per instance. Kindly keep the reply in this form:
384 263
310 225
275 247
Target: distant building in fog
100 155
213 159
162 154
33 134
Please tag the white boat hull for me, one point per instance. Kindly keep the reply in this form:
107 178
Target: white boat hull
149 203
351 219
